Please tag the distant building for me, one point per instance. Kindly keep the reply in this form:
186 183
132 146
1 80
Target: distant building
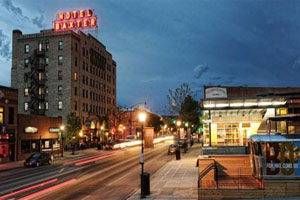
61 72
235 113
8 123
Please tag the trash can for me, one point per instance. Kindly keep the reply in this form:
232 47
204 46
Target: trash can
145 184
177 154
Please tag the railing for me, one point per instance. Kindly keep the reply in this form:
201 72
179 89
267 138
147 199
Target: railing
204 172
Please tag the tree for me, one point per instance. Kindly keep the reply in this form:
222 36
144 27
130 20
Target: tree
190 111
72 130
155 121
176 98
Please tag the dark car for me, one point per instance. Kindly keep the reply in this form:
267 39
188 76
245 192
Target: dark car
38 159
172 148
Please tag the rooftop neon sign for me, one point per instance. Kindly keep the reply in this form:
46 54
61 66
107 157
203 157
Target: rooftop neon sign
74 20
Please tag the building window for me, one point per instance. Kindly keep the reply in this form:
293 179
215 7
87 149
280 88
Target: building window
75 105
46 105
60 60
25 106
47 45
41 91
75 61
40 46
75 91
41 106
1 115
76 47
75 76
60 45
26 92
46 60
83 79
59 90
59 75
83 51
26 62
60 105
11 115
83 93
25 78
26 48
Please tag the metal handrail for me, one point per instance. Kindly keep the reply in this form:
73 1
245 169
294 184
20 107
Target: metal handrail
204 172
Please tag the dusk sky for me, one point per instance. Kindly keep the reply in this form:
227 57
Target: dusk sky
159 44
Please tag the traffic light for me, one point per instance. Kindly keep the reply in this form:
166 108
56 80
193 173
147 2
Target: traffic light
174 121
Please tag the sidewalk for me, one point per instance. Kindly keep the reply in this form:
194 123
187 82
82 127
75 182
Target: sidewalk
67 155
176 180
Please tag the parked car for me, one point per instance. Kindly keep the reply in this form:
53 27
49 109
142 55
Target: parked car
38 159
172 149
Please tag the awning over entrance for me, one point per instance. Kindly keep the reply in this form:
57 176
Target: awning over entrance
221 104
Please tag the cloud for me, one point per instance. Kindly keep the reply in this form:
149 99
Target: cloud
17 11
296 64
9 6
38 21
199 70
4 46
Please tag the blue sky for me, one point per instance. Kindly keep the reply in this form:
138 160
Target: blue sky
159 44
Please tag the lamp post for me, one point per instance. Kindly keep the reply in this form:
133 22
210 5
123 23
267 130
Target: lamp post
102 135
62 128
178 123
145 183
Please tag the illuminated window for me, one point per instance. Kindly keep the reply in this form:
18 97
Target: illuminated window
46 105
41 106
75 76
40 76
47 45
59 75
1 115
26 92
59 90
60 45
26 48
60 60
60 105
46 60
26 62
25 106
40 47
41 91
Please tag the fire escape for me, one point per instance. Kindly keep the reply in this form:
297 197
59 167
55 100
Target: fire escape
37 80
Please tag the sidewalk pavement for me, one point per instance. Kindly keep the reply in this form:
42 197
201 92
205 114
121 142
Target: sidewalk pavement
176 179
67 155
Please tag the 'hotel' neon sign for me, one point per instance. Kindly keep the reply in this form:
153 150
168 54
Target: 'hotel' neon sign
77 19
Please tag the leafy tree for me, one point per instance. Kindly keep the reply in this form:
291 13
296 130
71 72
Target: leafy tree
156 122
72 130
176 98
190 111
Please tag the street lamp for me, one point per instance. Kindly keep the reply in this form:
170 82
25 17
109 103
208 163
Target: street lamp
62 128
145 185
178 123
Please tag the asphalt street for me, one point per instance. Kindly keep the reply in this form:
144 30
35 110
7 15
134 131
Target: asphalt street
109 175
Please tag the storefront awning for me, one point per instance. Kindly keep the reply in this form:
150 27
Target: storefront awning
222 104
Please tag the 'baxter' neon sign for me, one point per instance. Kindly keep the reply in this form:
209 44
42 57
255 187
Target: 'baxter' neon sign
77 19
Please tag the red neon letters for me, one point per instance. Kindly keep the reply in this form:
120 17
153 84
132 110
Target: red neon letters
77 19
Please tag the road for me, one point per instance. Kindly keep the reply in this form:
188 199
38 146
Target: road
110 175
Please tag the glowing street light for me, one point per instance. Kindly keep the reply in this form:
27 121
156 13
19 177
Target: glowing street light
186 124
177 152
62 128
142 119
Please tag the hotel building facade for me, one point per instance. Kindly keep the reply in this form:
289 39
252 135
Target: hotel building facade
57 73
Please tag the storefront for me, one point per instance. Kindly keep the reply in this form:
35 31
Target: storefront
232 114
8 123
39 134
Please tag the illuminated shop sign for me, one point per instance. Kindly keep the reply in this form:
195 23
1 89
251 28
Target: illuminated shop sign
74 20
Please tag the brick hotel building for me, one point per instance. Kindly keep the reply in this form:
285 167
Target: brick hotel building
61 72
